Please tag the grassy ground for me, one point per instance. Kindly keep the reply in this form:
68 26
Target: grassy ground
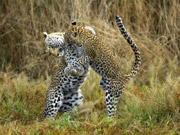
151 101
150 109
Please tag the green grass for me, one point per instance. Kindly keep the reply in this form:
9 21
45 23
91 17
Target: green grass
144 110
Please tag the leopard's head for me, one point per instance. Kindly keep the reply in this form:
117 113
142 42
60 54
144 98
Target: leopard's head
54 43
54 39
77 35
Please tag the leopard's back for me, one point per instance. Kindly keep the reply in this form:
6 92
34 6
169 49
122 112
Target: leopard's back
100 55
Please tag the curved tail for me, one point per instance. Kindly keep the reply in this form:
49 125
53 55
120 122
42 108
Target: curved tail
137 63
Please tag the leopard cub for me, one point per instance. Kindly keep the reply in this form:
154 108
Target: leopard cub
64 93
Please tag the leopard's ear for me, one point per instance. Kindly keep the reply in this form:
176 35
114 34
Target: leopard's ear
90 29
45 34
73 23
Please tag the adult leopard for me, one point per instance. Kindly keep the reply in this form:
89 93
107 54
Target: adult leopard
101 58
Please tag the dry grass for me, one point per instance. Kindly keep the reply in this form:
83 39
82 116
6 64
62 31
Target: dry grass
154 25
151 103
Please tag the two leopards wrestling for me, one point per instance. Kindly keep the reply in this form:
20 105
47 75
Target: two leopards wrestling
99 56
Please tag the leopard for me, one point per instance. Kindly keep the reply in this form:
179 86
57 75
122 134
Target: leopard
104 62
64 93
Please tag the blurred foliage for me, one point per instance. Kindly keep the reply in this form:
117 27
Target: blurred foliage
154 25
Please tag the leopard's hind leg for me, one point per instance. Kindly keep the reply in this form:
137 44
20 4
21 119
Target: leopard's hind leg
113 91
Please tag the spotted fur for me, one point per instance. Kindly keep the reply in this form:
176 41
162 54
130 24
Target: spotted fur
64 93
100 57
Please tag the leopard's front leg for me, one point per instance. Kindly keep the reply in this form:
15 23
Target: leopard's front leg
76 68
